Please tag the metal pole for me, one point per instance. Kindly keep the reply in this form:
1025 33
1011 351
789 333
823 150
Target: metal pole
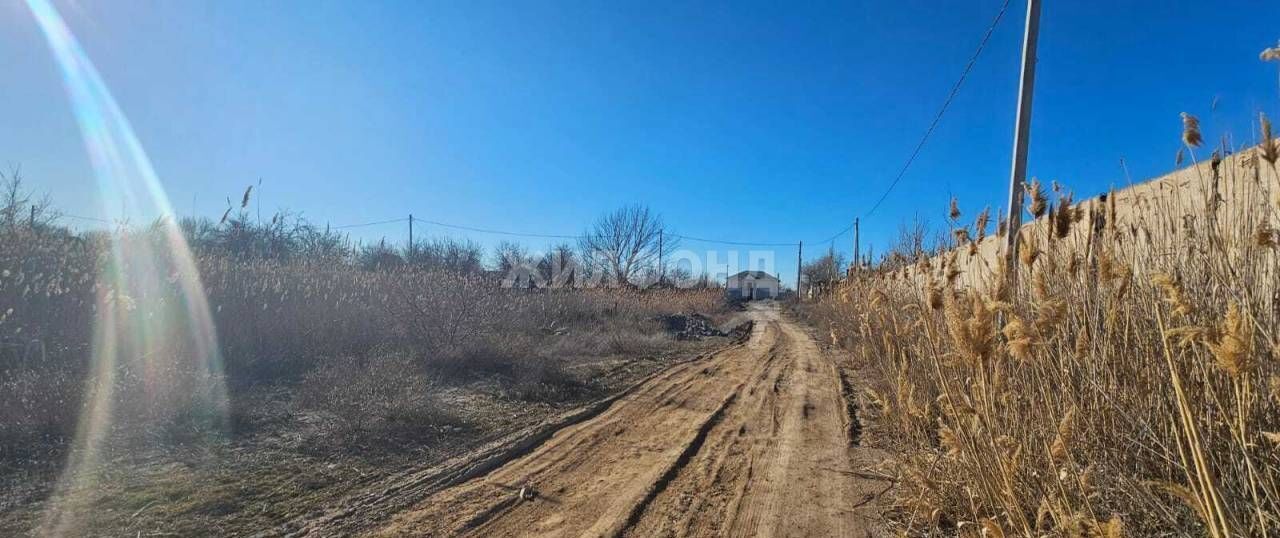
1022 135
661 274
411 237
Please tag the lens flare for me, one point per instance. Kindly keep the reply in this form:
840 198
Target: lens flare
156 366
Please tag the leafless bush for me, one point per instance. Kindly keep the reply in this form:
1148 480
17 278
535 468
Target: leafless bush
383 396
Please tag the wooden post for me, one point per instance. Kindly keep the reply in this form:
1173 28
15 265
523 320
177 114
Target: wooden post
856 243
799 262
1022 136
661 273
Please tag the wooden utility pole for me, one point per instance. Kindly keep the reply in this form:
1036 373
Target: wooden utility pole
661 273
1022 135
856 243
799 262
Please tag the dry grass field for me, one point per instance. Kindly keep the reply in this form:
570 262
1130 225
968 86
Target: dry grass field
1126 384
336 369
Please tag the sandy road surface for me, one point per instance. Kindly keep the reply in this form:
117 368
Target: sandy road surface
755 440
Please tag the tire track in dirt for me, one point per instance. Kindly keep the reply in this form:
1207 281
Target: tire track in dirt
751 441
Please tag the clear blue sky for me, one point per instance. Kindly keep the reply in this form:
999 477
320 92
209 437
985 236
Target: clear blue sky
757 122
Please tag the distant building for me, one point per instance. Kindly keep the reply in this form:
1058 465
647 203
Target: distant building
749 285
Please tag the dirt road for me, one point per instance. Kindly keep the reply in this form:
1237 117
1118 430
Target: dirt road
755 440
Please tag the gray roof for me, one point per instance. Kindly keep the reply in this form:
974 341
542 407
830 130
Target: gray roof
754 274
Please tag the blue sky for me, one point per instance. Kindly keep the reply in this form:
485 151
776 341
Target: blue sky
743 121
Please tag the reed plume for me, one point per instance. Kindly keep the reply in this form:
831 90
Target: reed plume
1270 54
980 224
1039 201
1232 344
1191 131
1173 294
1064 218
1269 151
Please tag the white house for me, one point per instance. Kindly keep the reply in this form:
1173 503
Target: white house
749 285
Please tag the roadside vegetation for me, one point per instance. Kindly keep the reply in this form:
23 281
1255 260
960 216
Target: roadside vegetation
1124 382
339 360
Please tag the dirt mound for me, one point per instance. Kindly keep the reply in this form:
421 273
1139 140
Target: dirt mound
741 331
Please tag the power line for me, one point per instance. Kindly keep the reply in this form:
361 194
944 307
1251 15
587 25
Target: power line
937 118
577 237
836 236
739 243
557 236
503 232
500 232
363 224
955 90
78 217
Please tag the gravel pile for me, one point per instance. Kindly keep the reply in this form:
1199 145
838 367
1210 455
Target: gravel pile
691 326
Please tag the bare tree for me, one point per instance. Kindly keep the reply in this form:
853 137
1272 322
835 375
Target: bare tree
625 243
19 207
559 266
509 255
518 268
822 274
914 242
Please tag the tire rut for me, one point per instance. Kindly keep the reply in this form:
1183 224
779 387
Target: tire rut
751 441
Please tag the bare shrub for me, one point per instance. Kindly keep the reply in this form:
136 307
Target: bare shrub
389 396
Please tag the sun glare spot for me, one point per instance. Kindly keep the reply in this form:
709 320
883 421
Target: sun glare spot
155 357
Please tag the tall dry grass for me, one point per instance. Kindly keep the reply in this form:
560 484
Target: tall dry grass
365 342
1127 383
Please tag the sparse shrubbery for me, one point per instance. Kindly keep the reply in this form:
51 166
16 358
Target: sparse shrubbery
366 334
380 398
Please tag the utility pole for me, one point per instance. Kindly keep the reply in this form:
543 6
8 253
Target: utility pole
799 261
1022 136
411 246
661 273
857 264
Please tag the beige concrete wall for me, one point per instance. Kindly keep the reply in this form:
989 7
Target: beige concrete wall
1155 221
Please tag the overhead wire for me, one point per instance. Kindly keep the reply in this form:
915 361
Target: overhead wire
955 89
